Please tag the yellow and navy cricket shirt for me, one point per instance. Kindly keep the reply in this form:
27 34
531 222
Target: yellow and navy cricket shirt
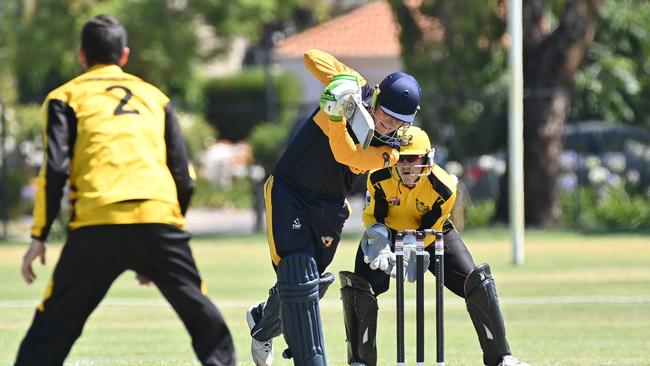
323 158
116 140
425 206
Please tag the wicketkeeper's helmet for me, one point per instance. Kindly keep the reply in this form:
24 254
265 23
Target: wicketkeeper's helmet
415 156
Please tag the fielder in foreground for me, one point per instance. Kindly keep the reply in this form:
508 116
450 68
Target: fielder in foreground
416 194
117 142
305 199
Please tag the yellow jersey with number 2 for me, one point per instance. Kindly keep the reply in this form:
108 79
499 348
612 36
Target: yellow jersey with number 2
114 138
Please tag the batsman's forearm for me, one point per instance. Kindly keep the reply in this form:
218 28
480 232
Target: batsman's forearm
347 152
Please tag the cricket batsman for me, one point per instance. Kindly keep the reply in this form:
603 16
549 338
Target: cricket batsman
416 194
353 130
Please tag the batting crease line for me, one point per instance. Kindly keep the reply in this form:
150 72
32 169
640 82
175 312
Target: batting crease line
386 301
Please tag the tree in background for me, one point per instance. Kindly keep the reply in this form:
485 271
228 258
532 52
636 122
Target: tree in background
465 43
553 55
458 51
172 39
42 35
44 52
614 83
7 12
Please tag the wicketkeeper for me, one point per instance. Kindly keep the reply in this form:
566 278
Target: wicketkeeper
353 131
416 194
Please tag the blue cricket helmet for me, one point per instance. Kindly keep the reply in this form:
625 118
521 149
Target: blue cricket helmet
399 96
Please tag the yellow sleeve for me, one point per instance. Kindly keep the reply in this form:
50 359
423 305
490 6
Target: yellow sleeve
347 152
39 214
323 66
368 216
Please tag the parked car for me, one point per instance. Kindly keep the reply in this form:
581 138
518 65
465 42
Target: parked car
594 152
598 152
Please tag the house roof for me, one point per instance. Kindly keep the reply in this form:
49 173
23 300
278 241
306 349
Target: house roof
370 30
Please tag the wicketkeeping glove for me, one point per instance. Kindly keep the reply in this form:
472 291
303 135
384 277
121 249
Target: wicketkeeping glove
410 259
375 244
334 97
410 263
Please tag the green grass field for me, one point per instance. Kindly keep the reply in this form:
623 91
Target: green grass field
578 300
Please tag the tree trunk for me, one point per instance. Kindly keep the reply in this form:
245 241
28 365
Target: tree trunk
551 60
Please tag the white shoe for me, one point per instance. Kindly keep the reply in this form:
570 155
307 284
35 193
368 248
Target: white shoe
357 364
262 351
510 360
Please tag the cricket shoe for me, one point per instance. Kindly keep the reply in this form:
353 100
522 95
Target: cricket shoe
510 360
262 351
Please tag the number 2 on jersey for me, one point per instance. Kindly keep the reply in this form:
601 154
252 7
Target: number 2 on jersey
120 108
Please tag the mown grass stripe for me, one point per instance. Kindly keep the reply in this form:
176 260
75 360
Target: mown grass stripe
532 300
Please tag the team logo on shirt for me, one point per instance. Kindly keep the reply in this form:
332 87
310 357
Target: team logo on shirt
386 157
296 224
394 201
327 240
421 206
367 202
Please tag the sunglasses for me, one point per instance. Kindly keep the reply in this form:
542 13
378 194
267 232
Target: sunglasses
410 158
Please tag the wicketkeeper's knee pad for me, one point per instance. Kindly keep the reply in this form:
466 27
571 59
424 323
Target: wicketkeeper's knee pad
298 288
483 307
360 317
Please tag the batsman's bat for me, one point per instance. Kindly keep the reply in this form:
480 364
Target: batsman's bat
361 122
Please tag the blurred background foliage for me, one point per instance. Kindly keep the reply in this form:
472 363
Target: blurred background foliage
172 44
466 43
235 104
169 39
465 99
614 83
467 94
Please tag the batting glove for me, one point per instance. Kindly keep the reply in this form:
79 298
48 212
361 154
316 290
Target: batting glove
375 244
337 94
410 262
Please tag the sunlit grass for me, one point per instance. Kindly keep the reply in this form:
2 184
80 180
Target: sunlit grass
578 300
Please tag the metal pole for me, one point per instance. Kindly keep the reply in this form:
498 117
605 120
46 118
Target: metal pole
270 89
271 99
516 131
439 254
4 205
399 298
419 298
